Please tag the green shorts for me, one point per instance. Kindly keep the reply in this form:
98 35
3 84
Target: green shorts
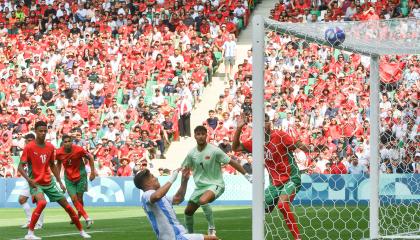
272 193
74 188
53 192
198 192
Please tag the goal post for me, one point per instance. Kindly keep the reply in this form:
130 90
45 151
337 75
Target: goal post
372 40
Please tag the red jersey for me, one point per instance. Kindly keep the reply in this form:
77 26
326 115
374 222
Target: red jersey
73 163
279 159
38 159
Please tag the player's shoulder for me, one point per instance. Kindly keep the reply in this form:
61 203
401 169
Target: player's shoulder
49 145
278 133
78 148
145 197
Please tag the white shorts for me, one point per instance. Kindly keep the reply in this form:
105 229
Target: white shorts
194 236
25 191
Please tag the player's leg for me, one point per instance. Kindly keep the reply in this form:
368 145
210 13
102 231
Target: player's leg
271 197
189 215
38 195
287 195
55 195
23 201
89 221
212 193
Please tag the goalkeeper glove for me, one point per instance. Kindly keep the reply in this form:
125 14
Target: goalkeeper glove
248 177
174 176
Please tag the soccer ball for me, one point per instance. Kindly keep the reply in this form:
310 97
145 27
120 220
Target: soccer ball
335 36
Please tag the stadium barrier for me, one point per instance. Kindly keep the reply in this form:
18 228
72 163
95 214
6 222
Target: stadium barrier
316 189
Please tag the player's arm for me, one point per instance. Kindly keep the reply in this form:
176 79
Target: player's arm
235 164
302 146
92 166
54 170
161 192
179 196
22 172
23 161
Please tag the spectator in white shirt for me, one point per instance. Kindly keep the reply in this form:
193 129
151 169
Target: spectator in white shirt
356 168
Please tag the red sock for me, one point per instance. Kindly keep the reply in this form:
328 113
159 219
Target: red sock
73 217
80 210
289 218
40 205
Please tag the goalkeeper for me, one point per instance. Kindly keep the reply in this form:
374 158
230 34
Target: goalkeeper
205 160
283 170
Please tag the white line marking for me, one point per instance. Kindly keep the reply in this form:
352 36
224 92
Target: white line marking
62 234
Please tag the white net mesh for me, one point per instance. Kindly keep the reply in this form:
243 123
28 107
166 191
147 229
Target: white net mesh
318 96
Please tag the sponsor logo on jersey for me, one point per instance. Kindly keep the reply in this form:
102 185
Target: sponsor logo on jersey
207 157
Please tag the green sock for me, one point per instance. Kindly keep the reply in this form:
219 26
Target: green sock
208 212
189 222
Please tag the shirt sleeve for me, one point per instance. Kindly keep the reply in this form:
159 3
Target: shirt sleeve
222 157
146 196
187 161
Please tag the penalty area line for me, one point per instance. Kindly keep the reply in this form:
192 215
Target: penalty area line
63 234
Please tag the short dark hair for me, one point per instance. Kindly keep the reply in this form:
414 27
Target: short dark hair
40 124
200 128
65 136
140 178
29 136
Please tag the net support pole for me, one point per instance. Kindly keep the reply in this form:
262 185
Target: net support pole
374 147
258 128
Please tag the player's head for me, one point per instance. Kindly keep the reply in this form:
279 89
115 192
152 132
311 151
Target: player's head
145 180
200 134
67 141
29 137
41 130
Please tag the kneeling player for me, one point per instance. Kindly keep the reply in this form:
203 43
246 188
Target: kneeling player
158 206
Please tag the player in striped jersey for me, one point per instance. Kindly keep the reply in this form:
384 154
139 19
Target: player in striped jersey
158 207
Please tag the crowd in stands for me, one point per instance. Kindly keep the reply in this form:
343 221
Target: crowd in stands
116 75
320 95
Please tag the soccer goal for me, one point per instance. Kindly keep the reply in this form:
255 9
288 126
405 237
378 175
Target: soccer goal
346 108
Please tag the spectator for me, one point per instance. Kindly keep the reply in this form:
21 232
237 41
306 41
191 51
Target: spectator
356 168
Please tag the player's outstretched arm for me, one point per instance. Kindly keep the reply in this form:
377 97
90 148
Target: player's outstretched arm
235 164
161 192
179 196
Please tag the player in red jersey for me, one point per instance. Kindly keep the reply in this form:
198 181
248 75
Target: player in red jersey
283 170
71 157
39 157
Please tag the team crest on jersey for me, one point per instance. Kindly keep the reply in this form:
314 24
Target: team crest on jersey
207 157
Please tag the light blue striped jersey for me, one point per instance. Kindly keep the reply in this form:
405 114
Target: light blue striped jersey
162 217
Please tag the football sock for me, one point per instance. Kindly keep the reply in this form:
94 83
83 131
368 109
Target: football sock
189 222
73 217
289 218
37 212
80 209
27 210
208 212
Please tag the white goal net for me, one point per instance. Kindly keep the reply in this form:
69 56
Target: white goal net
337 127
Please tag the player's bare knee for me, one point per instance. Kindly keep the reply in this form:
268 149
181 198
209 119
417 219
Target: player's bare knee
203 201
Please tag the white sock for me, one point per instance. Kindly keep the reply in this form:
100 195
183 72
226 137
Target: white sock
27 210
30 232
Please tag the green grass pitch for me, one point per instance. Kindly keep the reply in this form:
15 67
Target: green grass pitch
232 223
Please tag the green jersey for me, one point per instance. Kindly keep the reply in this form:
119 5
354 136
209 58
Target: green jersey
206 165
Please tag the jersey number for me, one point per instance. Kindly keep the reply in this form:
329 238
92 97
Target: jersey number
43 158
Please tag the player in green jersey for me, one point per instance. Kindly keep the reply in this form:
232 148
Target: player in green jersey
206 160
